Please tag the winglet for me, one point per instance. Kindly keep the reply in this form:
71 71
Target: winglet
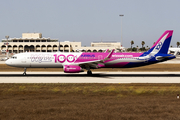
106 51
176 53
110 54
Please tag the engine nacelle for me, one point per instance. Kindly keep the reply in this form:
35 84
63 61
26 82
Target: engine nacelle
72 69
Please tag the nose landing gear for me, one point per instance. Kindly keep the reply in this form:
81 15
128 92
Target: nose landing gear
24 72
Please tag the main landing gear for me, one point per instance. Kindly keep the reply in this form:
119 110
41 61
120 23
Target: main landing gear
89 72
24 71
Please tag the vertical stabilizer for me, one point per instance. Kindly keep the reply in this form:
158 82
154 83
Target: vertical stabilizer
161 46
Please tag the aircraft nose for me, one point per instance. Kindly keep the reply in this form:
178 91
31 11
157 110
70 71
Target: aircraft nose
7 62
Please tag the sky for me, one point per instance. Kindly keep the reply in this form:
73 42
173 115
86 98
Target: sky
89 21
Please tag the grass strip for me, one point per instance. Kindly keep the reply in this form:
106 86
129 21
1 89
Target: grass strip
120 90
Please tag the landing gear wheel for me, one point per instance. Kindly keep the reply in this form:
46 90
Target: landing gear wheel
89 72
24 71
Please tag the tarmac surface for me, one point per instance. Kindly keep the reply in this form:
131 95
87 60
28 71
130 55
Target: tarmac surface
97 77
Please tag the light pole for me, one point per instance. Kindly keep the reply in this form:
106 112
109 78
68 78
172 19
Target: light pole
121 15
7 46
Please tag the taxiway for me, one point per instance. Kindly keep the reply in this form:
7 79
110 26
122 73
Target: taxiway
97 77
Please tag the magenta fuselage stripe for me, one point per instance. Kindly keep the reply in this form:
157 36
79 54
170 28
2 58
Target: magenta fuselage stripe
90 57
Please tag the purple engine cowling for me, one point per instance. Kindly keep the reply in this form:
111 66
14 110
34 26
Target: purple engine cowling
72 69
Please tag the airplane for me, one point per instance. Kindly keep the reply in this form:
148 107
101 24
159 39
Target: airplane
174 50
75 62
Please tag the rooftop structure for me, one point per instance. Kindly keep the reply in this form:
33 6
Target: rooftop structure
31 35
106 44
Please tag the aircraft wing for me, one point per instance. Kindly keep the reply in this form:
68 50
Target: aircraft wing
94 63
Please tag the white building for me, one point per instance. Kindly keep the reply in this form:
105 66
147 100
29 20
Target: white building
34 42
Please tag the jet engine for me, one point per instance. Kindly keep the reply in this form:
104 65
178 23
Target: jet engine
72 69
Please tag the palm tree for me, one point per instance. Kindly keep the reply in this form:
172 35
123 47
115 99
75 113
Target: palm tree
132 42
178 43
142 43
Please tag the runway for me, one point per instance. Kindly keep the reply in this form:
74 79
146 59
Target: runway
97 77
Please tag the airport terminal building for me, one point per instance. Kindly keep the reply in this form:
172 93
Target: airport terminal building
34 42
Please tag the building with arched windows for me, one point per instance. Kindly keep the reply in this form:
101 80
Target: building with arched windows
34 42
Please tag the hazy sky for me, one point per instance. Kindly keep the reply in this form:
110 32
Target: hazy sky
91 20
